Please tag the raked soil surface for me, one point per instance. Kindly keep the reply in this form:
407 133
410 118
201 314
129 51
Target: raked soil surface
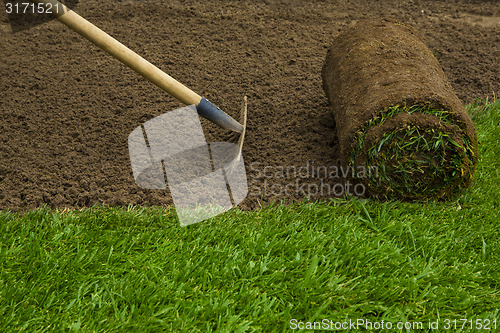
67 108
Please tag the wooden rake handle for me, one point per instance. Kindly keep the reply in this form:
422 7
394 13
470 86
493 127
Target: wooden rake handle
141 65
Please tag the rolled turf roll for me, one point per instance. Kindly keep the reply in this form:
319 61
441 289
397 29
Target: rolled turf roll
401 127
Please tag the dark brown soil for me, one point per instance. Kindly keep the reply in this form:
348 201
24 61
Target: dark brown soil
67 108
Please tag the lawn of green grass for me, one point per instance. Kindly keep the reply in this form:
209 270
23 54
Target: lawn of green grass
135 269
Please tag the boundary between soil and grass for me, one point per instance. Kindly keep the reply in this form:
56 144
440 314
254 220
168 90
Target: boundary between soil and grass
131 268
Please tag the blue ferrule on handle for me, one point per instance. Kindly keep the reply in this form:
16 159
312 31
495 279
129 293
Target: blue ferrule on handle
214 114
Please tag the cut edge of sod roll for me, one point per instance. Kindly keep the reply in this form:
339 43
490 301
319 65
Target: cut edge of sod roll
400 125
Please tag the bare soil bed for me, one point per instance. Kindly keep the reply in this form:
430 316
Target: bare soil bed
67 108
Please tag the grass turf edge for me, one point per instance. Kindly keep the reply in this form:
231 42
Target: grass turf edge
405 158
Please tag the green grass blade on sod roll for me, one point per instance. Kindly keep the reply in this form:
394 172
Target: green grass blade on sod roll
400 125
